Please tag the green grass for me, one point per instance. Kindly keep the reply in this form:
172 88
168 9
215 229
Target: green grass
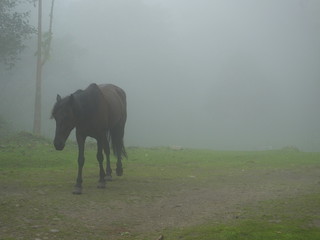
248 230
36 200
286 219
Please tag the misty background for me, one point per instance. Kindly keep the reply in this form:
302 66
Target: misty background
219 74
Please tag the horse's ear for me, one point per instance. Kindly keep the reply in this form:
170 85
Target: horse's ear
58 98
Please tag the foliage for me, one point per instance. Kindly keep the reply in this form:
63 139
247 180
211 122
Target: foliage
2 123
4 129
15 29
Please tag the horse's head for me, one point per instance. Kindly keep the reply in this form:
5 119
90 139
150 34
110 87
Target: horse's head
65 121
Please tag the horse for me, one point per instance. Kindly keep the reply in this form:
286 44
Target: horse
100 112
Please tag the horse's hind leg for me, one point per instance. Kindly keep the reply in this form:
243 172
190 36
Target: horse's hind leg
119 157
119 167
102 181
108 166
118 133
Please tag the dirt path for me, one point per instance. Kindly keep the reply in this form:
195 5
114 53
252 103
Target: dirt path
194 202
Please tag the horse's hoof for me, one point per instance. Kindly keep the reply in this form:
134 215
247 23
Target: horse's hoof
108 178
119 171
101 185
77 191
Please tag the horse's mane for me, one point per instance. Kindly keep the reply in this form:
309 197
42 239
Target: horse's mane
86 102
83 102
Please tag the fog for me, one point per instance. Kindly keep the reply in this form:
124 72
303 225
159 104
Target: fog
218 74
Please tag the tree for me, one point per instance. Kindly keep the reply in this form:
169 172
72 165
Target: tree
15 29
43 50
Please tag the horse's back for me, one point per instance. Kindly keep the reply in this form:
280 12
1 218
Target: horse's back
111 91
116 103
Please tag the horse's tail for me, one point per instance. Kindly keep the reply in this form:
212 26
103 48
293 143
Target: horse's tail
117 132
116 135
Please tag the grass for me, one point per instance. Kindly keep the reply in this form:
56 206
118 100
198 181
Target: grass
286 219
36 200
249 230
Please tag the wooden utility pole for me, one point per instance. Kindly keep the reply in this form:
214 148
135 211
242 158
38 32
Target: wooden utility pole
37 105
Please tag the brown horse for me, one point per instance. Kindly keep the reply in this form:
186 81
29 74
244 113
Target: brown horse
98 112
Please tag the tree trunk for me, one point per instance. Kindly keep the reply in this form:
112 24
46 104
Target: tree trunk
47 45
37 105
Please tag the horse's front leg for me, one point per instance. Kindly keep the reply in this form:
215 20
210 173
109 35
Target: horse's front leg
102 181
78 186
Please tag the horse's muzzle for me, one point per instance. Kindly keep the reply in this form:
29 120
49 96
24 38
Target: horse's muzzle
58 145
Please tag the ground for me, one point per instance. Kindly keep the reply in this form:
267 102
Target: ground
163 191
